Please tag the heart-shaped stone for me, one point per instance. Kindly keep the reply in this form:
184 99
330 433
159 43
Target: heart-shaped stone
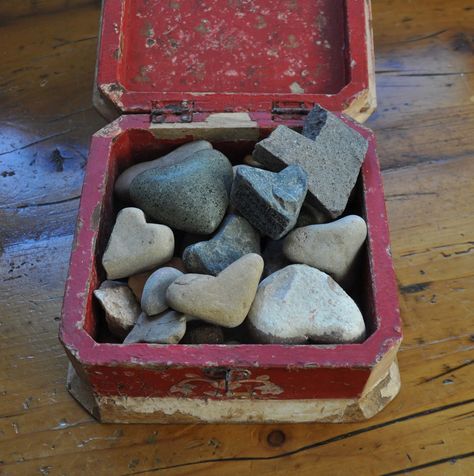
166 328
271 202
224 299
330 247
176 156
154 293
300 303
135 245
235 238
192 196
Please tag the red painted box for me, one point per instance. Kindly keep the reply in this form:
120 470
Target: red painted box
228 71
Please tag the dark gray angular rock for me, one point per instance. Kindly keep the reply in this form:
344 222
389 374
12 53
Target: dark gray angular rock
331 155
270 202
234 239
191 196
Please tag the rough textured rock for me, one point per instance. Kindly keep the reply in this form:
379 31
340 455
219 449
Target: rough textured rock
191 196
224 299
300 303
234 239
273 257
166 328
310 215
120 306
137 282
135 245
270 202
154 293
332 160
331 247
176 156
203 334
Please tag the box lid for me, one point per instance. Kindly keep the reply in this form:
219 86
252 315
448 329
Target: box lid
186 56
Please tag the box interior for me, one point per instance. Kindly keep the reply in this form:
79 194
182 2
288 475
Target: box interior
137 145
234 46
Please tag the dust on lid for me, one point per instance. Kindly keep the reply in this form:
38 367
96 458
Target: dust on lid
236 55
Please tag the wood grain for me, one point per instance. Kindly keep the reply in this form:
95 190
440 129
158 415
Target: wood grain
424 126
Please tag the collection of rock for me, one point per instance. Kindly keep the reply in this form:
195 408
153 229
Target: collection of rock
261 247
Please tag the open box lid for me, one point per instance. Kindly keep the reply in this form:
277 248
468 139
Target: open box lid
179 57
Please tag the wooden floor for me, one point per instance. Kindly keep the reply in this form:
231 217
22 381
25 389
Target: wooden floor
425 130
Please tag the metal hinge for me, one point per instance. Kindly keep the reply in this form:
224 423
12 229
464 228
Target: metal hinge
290 109
162 111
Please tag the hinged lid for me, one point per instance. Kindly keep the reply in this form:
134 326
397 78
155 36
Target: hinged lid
173 58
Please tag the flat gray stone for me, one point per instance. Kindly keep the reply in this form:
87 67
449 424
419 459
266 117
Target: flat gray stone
271 202
299 304
154 292
176 156
330 247
135 246
166 328
191 196
224 299
332 160
234 239
120 307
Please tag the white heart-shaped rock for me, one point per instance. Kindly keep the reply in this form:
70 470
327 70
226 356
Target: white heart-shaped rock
135 245
300 303
224 299
330 247
154 293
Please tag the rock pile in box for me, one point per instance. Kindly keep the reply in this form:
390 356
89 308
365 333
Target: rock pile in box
210 252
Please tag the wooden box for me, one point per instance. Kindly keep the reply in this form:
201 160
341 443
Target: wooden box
228 71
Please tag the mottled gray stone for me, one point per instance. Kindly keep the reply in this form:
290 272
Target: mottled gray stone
120 307
176 156
203 333
332 160
135 246
234 239
270 202
154 292
330 247
191 196
299 304
224 299
166 328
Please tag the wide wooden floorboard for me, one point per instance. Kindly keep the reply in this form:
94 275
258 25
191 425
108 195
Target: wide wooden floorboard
424 125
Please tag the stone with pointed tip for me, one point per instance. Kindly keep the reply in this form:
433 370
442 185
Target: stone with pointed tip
168 327
234 239
176 156
154 293
271 202
224 299
135 246
298 304
330 247
331 155
192 196
120 307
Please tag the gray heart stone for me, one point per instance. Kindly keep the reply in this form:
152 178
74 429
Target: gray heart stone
234 239
270 201
191 196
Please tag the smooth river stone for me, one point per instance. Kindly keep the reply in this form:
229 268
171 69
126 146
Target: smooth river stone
224 299
135 246
299 304
154 293
120 307
176 156
330 247
271 202
192 196
166 328
234 239
332 158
